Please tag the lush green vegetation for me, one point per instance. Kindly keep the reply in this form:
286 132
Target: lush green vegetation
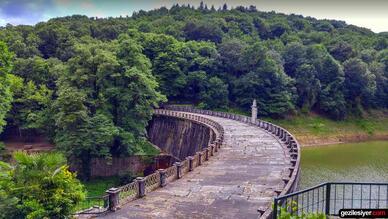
310 128
288 212
98 186
38 186
215 58
90 84
95 189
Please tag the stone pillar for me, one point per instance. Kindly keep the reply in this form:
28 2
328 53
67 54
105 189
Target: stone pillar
178 169
163 177
254 111
141 182
114 198
199 158
191 163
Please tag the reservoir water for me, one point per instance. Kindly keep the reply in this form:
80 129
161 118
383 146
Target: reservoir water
359 162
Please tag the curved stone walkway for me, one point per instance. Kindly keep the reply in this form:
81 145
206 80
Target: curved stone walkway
240 179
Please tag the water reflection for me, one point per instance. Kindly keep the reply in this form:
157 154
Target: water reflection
359 162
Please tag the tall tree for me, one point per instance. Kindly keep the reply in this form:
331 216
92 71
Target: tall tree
307 85
269 85
331 76
5 83
360 83
105 99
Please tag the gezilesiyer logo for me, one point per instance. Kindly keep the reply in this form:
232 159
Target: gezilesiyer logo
363 213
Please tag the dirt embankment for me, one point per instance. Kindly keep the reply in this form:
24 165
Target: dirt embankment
311 140
28 146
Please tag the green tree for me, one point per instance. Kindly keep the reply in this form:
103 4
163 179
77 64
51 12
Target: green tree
203 30
29 107
341 51
360 83
331 77
216 94
38 186
105 99
5 83
294 56
231 51
269 85
308 86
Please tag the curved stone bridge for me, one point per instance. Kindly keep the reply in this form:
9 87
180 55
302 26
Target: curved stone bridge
256 161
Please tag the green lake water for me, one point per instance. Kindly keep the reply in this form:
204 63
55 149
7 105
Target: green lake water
359 162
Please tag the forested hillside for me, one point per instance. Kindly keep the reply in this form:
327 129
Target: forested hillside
90 83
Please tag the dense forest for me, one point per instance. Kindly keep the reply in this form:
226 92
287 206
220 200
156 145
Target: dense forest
90 84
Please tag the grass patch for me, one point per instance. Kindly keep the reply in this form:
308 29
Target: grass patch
312 125
147 149
320 126
96 188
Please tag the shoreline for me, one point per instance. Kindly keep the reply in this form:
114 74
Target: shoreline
318 141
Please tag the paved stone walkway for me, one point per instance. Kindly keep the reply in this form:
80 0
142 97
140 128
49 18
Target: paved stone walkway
241 178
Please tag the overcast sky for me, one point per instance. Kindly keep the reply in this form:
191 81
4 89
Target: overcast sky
372 14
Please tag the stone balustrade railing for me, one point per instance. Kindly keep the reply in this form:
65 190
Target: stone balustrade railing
143 185
291 145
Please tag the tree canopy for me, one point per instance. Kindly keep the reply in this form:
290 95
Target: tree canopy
90 84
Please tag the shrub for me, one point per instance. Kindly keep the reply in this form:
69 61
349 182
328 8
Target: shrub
38 186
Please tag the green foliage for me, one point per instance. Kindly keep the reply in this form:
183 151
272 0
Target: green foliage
326 62
285 213
267 83
216 94
38 186
360 83
307 127
5 83
98 186
90 84
29 107
105 99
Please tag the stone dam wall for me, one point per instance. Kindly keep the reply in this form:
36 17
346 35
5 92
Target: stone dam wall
179 137
195 123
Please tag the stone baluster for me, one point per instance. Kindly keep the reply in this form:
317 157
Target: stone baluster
141 182
207 154
191 163
163 177
199 158
114 198
178 169
212 150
